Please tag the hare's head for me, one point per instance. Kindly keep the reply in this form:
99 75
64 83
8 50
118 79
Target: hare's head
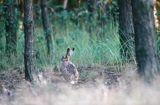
69 52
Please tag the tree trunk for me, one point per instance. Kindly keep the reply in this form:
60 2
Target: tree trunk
29 40
143 19
126 30
11 24
91 5
46 26
1 43
1 34
65 3
157 16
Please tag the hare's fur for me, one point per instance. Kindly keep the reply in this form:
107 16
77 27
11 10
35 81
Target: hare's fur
68 69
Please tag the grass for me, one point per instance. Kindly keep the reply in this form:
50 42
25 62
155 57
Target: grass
90 48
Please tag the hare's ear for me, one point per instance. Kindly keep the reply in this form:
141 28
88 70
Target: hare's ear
68 51
73 49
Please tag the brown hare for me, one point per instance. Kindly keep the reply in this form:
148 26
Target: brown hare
68 69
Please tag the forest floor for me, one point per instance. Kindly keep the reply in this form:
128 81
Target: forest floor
110 85
89 75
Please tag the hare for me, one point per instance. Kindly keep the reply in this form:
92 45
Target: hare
68 69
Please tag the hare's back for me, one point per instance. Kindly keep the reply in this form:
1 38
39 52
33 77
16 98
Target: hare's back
71 68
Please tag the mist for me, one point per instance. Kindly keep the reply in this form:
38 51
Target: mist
130 91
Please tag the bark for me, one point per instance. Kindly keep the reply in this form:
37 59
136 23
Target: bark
91 4
157 16
11 24
1 35
65 4
1 43
126 30
46 26
143 19
29 40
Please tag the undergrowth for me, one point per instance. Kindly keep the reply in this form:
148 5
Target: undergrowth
95 42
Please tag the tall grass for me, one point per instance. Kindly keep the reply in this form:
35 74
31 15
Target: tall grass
101 46
89 48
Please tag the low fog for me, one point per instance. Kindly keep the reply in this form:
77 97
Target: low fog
130 90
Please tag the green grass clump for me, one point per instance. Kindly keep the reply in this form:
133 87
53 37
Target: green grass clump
90 48
101 46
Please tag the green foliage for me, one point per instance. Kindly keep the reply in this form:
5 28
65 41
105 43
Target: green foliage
70 29
89 49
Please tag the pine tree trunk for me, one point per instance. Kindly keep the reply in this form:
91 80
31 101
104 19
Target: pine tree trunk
1 38
11 24
47 26
143 19
91 5
126 30
29 40
1 43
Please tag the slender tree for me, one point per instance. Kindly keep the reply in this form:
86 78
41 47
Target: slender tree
65 3
1 44
11 24
126 30
0 40
29 39
1 35
91 5
1 29
143 19
157 16
46 26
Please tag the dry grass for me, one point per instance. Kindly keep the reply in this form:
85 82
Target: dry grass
51 89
